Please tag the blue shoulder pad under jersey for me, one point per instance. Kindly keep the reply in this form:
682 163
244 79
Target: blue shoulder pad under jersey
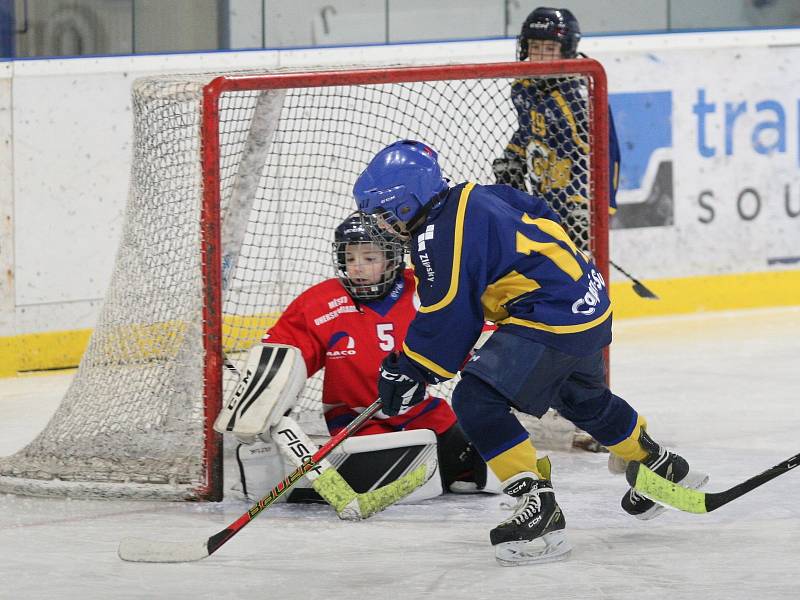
495 253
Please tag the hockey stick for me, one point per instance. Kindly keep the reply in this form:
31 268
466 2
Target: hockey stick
140 550
638 287
663 491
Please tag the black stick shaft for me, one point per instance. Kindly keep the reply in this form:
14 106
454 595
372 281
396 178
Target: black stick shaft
715 500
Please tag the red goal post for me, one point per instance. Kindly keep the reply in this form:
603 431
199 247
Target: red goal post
237 182
597 131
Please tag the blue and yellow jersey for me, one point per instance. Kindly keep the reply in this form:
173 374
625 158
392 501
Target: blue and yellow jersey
552 141
493 253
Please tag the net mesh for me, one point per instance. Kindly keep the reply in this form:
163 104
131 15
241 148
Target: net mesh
132 423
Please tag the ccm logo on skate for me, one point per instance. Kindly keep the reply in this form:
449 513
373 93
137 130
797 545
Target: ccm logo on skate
512 491
535 521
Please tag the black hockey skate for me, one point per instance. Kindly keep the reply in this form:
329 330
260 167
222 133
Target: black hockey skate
670 466
535 532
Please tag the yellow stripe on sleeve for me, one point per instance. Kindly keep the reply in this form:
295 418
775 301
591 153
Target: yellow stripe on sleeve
457 244
521 152
427 363
562 258
551 228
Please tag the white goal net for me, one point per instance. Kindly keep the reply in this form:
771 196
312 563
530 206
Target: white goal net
236 186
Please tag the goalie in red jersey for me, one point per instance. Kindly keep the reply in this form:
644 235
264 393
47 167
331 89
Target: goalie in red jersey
348 325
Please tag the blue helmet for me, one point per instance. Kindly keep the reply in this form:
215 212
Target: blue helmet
399 181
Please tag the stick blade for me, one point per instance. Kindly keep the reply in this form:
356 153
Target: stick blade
686 498
141 550
644 292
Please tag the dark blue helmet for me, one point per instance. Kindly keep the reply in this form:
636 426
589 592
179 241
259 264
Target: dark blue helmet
398 182
360 231
557 24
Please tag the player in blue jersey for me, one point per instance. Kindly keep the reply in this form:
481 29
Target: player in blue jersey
498 254
548 153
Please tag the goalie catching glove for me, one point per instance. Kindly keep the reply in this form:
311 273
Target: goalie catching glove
400 384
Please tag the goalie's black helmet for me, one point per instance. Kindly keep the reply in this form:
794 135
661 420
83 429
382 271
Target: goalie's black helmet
557 24
359 229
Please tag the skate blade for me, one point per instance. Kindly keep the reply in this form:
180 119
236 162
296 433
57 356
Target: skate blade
548 548
694 480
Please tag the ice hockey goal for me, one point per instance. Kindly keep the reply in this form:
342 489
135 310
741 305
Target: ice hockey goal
237 182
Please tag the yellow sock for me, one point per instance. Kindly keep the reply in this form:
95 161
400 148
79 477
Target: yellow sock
630 448
518 459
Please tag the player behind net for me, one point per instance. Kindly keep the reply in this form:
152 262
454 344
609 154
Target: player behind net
496 253
348 324
548 153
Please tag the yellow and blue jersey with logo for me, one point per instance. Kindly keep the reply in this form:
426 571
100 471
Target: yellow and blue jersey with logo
552 140
495 253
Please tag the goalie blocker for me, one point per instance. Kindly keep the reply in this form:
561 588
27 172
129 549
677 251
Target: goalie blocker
272 379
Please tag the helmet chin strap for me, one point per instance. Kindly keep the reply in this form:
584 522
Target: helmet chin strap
422 215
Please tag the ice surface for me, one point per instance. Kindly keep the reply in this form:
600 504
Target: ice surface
722 389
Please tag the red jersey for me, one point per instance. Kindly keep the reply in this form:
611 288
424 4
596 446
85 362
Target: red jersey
350 340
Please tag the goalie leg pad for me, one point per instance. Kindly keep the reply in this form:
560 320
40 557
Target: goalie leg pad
273 377
400 466
373 461
260 466
297 447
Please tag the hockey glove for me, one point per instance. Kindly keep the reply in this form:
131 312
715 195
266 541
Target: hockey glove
510 171
399 385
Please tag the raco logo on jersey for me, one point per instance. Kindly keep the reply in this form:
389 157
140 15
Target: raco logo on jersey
341 345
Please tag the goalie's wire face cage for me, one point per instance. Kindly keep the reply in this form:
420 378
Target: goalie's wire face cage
359 245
